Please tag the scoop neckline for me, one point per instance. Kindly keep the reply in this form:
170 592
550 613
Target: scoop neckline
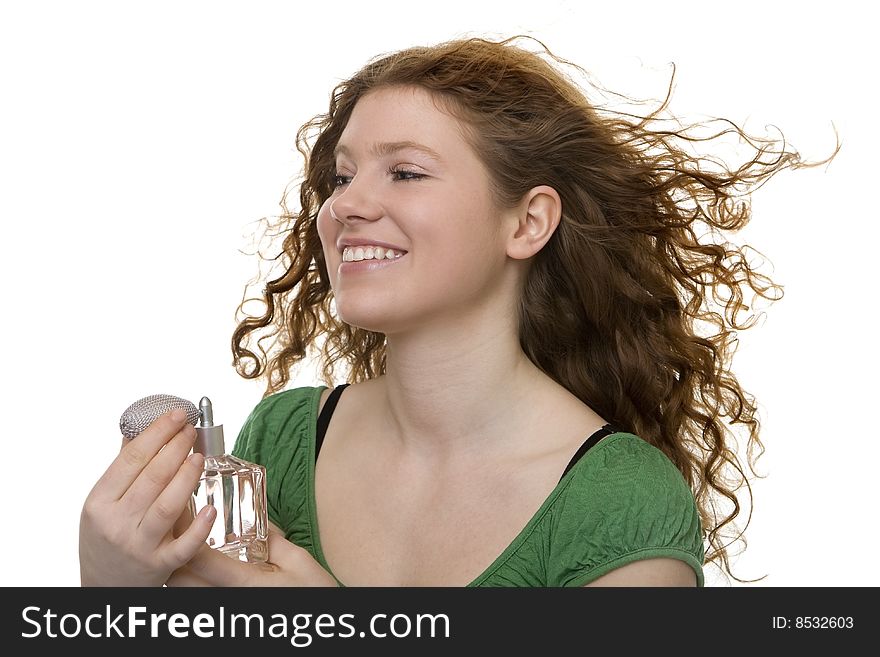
509 551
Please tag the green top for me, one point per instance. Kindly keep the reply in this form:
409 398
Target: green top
623 501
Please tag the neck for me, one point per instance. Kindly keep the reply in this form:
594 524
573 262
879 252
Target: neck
453 391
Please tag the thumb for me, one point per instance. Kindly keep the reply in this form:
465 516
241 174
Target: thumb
284 553
291 558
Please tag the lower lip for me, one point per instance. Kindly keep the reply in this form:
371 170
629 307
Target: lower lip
352 267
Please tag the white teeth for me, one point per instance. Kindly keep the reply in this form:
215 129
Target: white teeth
355 253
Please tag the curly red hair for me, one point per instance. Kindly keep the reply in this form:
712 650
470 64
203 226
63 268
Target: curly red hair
618 306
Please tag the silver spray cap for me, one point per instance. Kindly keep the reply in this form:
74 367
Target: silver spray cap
209 438
145 410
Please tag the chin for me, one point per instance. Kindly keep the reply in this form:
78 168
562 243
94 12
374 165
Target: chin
373 308
364 318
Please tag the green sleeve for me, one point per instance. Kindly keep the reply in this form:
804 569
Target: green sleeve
626 502
276 436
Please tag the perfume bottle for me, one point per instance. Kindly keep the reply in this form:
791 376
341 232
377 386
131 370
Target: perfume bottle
236 489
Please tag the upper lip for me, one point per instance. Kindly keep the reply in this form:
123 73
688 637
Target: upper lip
363 241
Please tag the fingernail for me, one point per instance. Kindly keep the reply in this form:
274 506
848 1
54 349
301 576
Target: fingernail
197 459
178 415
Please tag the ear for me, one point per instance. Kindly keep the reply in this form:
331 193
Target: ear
534 221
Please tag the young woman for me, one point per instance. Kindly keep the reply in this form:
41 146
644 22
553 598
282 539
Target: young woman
512 279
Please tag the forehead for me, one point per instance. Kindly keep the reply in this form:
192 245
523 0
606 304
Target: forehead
400 115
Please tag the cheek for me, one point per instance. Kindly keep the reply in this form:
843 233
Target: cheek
470 240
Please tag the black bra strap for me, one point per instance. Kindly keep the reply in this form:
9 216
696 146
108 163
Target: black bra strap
333 399
588 443
324 416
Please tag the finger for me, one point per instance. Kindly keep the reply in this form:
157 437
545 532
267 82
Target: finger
290 558
161 470
283 553
136 454
180 550
167 510
219 570
184 520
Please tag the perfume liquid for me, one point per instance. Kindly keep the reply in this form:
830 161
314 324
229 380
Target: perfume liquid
236 489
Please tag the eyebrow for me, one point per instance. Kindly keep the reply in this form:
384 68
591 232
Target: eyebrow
385 148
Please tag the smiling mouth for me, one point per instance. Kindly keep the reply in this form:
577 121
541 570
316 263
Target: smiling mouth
359 253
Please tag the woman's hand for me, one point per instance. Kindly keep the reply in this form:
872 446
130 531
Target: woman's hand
291 565
125 532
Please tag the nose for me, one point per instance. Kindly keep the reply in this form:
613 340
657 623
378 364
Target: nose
357 201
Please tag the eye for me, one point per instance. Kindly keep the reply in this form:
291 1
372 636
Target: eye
339 181
405 174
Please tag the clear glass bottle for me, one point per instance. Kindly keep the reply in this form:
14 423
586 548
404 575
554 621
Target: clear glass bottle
236 489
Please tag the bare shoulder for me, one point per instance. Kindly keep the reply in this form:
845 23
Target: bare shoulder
353 391
650 572
324 396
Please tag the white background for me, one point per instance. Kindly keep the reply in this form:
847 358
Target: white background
139 143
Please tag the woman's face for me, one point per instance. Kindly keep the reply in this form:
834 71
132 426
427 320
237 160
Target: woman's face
407 179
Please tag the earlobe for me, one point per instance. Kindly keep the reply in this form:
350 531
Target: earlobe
537 218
